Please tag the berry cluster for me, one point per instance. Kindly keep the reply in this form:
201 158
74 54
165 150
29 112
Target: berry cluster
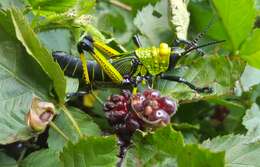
127 113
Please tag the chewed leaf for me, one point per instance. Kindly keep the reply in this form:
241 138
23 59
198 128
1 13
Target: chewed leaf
180 17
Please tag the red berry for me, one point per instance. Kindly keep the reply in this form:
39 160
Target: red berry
168 105
150 93
160 115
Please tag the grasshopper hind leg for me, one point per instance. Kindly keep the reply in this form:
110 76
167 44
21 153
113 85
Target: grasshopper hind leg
193 87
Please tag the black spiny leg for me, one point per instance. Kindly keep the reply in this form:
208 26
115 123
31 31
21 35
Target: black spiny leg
181 80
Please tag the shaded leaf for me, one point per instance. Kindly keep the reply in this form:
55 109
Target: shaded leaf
206 71
153 24
56 40
42 158
86 125
21 78
6 161
33 46
115 21
90 151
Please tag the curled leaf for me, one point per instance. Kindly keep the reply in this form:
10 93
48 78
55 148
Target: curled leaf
180 17
40 114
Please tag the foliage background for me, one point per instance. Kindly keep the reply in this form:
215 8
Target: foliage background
198 136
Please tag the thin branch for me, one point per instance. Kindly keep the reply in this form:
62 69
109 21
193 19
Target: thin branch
121 5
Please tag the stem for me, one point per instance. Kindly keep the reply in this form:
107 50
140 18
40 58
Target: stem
55 127
120 4
98 99
21 156
72 120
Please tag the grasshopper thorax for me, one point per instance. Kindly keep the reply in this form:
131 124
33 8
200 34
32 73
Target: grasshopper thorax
155 60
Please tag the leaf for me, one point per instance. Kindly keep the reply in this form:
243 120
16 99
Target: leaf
164 146
237 18
202 17
250 77
193 155
5 4
252 122
153 24
115 22
33 46
90 151
21 77
42 158
250 50
6 161
86 124
180 17
56 40
238 151
50 6
203 71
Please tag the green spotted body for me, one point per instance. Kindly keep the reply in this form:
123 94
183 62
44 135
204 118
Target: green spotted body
153 60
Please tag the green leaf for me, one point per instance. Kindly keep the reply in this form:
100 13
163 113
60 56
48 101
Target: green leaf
180 17
6 161
153 24
203 71
193 155
90 151
56 40
250 50
252 122
86 124
238 151
50 6
5 4
42 158
201 17
33 46
237 18
21 77
115 21
164 146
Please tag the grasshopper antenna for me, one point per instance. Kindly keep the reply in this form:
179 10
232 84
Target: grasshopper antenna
201 46
201 34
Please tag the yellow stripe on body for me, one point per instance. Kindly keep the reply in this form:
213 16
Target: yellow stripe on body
106 49
85 68
108 68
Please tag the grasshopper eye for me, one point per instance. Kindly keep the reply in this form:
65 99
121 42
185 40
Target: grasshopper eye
164 50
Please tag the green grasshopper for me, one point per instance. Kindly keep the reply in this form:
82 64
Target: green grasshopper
140 65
